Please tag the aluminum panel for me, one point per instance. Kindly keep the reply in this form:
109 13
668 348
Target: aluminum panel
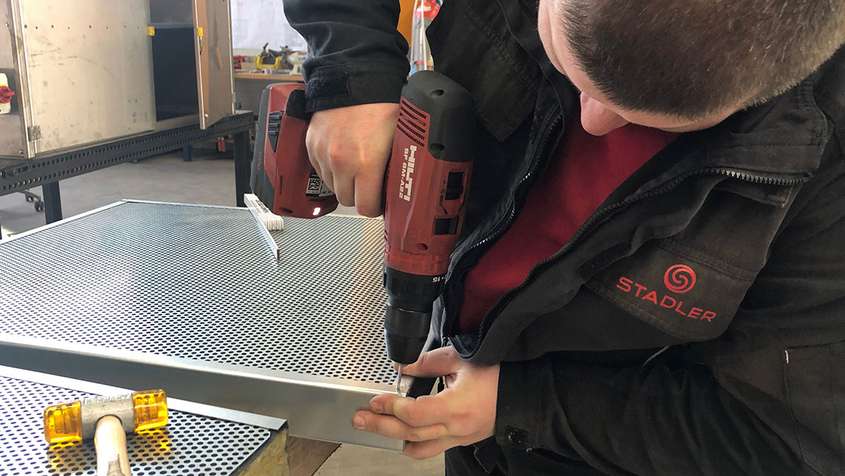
190 297
89 73
213 49
189 445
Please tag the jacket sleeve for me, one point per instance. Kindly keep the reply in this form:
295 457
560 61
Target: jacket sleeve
764 408
355 53
625 421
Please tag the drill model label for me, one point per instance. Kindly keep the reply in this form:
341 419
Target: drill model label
316 187
407 183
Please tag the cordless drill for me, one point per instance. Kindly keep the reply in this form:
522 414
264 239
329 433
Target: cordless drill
426 186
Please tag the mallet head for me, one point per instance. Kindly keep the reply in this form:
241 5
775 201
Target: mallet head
76 421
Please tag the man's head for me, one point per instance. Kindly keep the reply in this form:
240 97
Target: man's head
683 65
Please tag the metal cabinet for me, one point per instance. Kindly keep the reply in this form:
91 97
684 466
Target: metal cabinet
91 71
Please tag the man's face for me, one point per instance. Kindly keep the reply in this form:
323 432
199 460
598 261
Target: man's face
599 116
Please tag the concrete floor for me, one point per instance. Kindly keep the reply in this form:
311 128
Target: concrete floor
208 180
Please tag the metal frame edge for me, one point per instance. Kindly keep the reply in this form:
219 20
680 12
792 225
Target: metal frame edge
315 407
62 221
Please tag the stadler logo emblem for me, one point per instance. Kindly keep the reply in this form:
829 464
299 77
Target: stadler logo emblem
679 279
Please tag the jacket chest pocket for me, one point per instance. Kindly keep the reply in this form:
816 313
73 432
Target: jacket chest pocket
815 384
686 294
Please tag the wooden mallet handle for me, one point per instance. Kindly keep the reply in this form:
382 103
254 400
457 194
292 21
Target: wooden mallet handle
110 441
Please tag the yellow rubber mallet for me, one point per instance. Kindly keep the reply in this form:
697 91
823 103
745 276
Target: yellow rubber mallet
106 420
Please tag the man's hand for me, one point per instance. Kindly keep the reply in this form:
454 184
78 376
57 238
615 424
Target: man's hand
462 414
349 148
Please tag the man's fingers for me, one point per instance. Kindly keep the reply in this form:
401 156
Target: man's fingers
438 362
368 193
430 448
344 189
392 427
313 147
422 411
328 178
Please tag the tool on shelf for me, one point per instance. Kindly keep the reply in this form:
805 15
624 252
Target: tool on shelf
275 60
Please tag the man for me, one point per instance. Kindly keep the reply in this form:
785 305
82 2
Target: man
652 278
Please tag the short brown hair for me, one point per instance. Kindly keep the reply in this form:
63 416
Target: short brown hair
690 58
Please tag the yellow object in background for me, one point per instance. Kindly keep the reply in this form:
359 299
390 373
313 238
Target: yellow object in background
261 65
406 17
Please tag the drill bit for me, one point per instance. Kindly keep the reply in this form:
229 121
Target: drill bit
403 382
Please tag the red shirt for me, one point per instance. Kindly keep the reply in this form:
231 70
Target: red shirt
585 171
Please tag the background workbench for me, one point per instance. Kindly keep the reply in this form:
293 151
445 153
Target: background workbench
19 175
248 86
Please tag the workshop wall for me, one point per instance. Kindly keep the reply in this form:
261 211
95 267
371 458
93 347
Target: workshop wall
255 22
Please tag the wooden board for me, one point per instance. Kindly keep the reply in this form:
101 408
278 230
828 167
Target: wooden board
283 455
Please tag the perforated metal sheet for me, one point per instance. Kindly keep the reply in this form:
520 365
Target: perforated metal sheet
199 283
189 446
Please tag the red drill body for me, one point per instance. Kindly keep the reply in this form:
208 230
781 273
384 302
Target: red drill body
295 189
427 181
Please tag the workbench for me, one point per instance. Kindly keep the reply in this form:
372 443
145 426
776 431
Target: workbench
191 299
18 175
249 85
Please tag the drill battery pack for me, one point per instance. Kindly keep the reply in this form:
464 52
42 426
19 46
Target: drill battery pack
282 176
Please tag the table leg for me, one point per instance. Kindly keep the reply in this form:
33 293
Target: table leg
52 202
187 153
243 162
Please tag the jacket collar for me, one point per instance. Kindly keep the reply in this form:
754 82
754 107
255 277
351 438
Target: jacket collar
784 136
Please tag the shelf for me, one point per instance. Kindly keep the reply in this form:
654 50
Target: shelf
254 75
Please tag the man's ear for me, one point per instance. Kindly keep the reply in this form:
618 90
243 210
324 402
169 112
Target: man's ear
597 119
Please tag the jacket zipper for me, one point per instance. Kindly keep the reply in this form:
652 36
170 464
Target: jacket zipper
502 225
606 212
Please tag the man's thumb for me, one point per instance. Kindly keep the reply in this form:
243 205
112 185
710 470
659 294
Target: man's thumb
439 362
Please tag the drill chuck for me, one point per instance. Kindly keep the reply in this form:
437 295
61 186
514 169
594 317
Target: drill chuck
408 313
405 333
